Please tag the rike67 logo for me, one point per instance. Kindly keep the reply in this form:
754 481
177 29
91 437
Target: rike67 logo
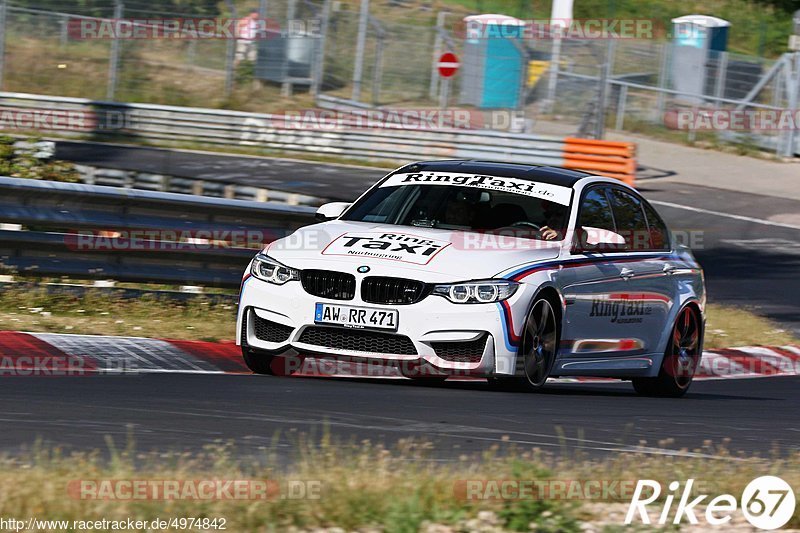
767 502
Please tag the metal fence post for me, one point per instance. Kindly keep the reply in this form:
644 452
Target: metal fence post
437 51
794 100
444 93
602 93
63 22
230 60
113 64
722 74
621 104
2 40
319 65
552 81
291 10
361 40
378 71
663 77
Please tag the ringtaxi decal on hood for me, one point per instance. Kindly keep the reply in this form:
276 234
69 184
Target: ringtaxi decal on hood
387 245
545 191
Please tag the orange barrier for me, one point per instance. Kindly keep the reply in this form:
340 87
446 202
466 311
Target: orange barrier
606 158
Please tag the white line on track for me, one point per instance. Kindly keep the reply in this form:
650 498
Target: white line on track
726 215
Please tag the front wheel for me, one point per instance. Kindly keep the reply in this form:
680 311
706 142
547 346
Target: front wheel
271 365
680 360
537 350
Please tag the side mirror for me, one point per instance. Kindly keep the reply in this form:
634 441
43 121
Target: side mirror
588 239
331 211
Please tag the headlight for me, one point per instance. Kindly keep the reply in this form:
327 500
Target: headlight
477 292
267 269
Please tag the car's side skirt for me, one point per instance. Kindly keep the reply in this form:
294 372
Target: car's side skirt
619 367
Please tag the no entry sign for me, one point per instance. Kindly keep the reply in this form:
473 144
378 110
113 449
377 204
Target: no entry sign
447 65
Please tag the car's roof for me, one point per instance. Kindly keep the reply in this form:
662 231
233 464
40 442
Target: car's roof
545 174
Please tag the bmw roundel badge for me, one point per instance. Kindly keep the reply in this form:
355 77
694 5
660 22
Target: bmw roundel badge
363 269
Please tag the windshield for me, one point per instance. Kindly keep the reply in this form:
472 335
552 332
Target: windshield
462 207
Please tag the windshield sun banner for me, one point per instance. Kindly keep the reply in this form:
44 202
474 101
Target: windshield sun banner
544 191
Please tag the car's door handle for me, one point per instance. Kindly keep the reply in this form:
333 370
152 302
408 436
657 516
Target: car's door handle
669 269
626 273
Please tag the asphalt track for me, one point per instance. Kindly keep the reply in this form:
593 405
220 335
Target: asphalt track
322 180
186 412
748 261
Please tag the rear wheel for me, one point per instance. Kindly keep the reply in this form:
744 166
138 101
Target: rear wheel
680 360
537 351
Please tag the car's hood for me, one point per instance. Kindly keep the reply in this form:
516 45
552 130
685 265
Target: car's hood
423 253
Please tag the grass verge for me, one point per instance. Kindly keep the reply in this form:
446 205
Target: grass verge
108 313
368 487
728 327
103 313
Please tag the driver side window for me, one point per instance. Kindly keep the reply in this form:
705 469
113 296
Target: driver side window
596 210
596 224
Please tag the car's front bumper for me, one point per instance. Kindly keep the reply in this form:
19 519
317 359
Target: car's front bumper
435 327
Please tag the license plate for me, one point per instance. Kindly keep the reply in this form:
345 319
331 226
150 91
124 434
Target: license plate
356 317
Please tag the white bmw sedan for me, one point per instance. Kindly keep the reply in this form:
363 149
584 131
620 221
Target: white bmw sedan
511 272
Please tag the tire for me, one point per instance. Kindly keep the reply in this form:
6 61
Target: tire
271 365
257 362
680 360
537 350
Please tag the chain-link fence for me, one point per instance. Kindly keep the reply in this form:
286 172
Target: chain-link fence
380 59
395 61
129 51
665 89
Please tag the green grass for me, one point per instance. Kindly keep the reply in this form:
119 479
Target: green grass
403 488
103 313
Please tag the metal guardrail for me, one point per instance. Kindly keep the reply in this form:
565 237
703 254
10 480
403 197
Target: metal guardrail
88 231
150 181
169 125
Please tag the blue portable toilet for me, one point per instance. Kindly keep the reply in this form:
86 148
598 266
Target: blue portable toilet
701 31
493 62
698 42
